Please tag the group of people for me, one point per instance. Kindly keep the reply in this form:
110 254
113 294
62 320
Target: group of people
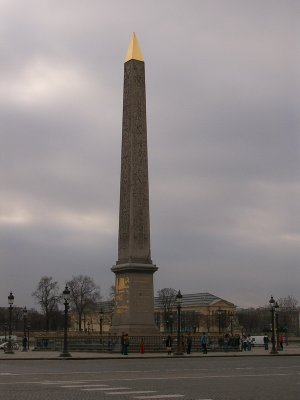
125 344
281 340
186 344
245 343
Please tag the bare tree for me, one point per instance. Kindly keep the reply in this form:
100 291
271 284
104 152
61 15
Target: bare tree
167 300
288 303
111 294
84 295
48 296
289 314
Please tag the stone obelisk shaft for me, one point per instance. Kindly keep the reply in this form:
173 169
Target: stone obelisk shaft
134 225
134 301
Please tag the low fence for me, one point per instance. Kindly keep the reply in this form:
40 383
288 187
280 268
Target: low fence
110 343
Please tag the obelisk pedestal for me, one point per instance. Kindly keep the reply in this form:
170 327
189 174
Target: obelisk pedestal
134 298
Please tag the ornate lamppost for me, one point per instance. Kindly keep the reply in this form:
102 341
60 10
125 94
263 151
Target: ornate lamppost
219 313
178 301
101 320
24 328
66 297
277 325
273 310
9 349
231 315
28 330
171 317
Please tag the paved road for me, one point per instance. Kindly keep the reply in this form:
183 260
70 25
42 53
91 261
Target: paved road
251 378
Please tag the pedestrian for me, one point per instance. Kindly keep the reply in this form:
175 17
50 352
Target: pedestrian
189 341
142 346
122 342
169 345
226 343
281 342
126 344
249 343
266 342
244 343
204 343
24 343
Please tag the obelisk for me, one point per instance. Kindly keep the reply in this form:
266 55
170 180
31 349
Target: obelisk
134 298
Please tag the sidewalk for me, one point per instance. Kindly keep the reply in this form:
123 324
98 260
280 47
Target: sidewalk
53 355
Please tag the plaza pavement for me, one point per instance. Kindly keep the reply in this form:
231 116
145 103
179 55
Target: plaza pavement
291 350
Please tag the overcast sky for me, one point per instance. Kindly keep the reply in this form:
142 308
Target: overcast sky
222 82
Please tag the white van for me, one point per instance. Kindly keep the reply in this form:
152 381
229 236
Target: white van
5 339
257 340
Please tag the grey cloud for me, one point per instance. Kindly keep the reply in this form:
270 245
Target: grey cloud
223 133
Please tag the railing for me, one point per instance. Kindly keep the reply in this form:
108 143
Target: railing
111 343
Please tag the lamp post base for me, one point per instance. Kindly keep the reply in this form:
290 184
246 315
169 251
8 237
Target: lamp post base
179 352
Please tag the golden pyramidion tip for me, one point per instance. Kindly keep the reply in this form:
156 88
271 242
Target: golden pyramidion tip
134 51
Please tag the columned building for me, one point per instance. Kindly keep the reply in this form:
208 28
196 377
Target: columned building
200 312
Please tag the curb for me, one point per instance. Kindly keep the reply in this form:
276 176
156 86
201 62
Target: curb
84 358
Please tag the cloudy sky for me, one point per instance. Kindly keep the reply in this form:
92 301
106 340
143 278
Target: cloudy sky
223 97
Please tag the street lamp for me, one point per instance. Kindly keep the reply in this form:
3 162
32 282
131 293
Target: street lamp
231 321
178 301
24 328
272 309
219 312
28 330
276 324
66 297
101 320
171 323
9 349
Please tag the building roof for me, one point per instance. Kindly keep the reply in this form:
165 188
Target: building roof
188 300
105 306
195 299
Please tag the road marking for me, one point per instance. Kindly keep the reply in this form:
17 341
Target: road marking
133 392
83 385
59 382
106 388
160 396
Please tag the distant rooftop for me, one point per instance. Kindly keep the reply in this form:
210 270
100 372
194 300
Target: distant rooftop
188 300
195 299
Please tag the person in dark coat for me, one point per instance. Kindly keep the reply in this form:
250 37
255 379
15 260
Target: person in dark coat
169 344
266 342
24 343
126 344
204 343
189 341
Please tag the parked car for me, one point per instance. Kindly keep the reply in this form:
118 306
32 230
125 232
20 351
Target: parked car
4 346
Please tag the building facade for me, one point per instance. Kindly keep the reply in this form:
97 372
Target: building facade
200 312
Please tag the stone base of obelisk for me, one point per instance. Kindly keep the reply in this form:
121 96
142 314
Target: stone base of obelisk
134 300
